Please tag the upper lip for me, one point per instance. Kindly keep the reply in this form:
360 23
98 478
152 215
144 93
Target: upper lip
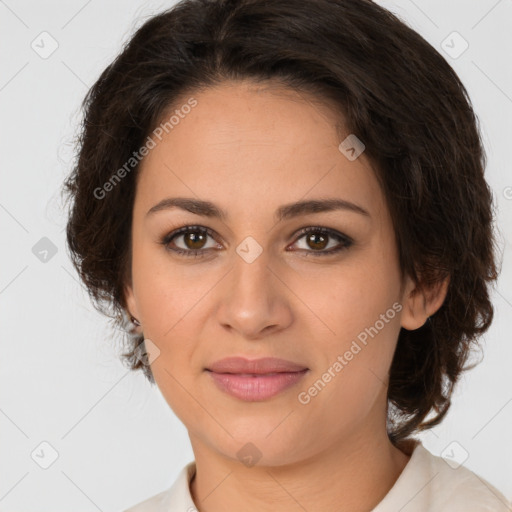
263 365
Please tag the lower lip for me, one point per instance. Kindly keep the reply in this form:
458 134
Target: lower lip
253 388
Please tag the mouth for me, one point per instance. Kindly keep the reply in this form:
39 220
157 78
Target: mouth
264 365
255 380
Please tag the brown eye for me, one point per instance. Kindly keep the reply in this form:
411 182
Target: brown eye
194 240
318 239
188 241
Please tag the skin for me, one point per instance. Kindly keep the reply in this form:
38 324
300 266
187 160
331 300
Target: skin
249 149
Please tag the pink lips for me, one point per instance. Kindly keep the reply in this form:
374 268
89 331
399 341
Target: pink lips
257 379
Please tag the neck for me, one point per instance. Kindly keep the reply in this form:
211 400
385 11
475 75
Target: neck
353 475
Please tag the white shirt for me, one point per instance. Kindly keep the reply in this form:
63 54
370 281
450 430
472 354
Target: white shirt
428 483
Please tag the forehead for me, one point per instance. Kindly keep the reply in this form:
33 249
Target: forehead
256 144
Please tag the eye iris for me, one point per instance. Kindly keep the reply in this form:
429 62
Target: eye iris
193 237
313 237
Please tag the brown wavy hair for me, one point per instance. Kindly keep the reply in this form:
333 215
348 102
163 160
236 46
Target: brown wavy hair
396 92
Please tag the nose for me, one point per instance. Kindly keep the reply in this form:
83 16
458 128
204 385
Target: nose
254 300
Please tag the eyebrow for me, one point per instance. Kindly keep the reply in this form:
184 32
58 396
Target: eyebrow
287 211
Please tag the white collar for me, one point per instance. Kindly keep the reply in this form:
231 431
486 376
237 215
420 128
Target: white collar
427 484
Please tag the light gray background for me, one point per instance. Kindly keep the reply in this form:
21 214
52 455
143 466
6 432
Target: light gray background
61 382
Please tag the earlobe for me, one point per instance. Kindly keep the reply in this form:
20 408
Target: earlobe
131 305
419 304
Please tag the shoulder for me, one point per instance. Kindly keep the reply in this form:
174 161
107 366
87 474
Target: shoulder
155 503
453 486
430 483
176 497
457 486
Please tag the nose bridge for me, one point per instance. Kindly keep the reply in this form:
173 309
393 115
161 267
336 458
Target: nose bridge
251 275
253 300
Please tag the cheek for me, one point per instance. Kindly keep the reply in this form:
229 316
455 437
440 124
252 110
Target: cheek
358 301
165 292
353 371
350 296
178 390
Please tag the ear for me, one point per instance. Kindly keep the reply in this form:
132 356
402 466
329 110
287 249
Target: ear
131 304
420 303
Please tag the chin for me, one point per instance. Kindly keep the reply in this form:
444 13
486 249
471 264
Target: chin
260 443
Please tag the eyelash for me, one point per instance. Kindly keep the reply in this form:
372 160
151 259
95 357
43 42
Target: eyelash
199 253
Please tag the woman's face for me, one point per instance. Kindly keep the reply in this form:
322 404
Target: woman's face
259 287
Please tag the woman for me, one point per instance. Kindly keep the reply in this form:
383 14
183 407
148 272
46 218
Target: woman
287 201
